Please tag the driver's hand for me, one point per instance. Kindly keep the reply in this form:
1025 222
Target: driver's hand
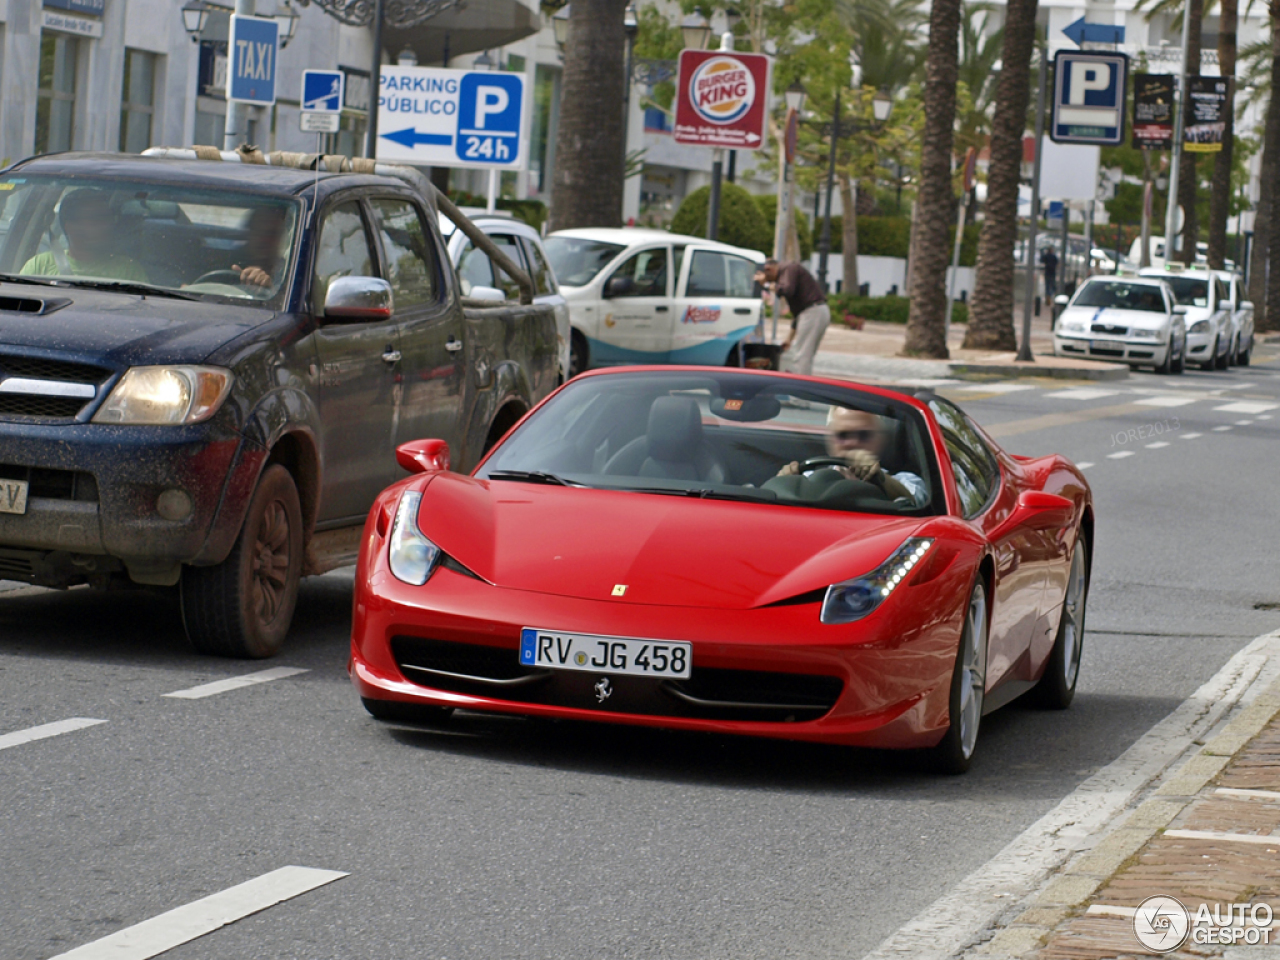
254 276
863 465
790 470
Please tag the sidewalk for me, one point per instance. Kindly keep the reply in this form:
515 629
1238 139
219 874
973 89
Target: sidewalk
872 353
1207 835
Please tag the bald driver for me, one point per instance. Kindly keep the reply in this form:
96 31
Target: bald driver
858 438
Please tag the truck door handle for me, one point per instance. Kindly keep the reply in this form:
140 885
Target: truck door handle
741 309
453 345
391 356
660 309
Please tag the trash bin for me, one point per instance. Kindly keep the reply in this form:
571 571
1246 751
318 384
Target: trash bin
762 356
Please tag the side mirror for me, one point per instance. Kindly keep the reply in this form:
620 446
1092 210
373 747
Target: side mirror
423 456
1061 299
618 287
1246 305
486 293
1180 309
356 299
1037 510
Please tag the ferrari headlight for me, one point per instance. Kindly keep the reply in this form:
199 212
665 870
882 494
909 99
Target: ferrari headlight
854 599
412 556
166 395
1200 326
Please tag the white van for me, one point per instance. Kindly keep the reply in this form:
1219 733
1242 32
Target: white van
648 296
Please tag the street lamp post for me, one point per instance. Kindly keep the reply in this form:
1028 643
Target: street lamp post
881 106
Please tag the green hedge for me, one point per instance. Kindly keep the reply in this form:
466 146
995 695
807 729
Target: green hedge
741 222
891 237
883 309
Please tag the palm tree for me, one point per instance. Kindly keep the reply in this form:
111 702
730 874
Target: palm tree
1270 169
587 191
1220 200
991 314
935 205
1187 181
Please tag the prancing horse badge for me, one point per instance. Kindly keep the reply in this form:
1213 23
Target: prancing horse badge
603 689
619 589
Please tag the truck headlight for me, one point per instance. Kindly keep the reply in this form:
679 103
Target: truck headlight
411 555
166 395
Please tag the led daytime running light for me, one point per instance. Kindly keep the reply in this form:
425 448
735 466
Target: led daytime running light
854 599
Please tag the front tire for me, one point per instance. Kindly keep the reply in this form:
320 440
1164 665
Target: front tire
1246 355
243 606
1166 367
1057 686
1180 364
579 354
954 752
1222 362
1212 362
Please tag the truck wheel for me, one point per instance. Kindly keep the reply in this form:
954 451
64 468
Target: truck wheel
243 606
578 355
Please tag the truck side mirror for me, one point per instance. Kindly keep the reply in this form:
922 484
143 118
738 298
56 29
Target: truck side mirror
357 299
1180 309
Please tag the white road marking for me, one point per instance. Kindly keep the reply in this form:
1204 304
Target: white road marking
1167 401
44 731
1246 406
1243 423
1107 910
1082 393
1218 837
1120 455
997 387
1084 466
234 683
184 924
1191 436
959 917
1223 429
1248 794
1157 445
1265 416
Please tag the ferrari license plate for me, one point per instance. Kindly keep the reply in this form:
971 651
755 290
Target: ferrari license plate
592 654
13 496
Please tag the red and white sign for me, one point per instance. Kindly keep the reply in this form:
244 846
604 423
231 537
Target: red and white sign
721 99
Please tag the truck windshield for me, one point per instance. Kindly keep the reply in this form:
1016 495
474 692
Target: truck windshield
197 243
577 261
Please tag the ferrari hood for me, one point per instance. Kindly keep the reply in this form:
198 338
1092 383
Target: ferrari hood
650 548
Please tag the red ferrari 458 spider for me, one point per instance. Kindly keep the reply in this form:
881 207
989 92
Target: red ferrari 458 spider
731 551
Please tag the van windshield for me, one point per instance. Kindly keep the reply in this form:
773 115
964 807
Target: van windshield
576 261
202 244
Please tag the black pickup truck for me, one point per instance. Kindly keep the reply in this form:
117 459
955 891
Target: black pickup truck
206 367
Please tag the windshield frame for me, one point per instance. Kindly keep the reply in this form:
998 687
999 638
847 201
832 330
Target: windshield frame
37 211
568 406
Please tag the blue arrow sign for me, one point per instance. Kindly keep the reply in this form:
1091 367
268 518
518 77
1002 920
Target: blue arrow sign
1081 33
409 137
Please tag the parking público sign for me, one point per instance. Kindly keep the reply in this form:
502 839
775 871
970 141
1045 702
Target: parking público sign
721 99
452 118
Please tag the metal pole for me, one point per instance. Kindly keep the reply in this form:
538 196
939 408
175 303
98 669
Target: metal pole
955 265
1028 300
1171 208
237 126
1066 251
824 248
375 82
713 208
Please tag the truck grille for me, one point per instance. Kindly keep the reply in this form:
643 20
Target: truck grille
30 387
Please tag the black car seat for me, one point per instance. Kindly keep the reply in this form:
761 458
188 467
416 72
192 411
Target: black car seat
673 447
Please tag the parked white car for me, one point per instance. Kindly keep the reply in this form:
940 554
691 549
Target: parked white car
648 296
1241 318
1209 333
483 281
1129 320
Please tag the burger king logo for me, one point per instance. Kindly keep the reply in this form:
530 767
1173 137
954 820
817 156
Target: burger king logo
722 90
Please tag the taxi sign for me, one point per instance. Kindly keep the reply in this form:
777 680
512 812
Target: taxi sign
452 118
721 99
252 46
1089 97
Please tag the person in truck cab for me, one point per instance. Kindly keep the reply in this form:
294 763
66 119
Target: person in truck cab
90 226
261 259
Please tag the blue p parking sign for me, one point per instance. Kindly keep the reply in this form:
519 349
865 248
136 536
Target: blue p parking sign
489 116
1089 97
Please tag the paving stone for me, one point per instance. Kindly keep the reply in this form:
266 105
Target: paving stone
1106 858
1068 890
1155 814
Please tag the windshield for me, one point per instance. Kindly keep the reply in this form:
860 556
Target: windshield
1189 291
196 243
576 261
729 436
1120 295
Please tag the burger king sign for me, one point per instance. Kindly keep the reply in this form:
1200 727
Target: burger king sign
721 99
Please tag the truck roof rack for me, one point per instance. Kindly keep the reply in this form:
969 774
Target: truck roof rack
338 163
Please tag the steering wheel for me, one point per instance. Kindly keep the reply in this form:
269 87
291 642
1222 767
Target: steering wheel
219 276
815 463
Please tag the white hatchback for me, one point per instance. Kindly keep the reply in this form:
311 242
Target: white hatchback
1129 320
648 296
1209 330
